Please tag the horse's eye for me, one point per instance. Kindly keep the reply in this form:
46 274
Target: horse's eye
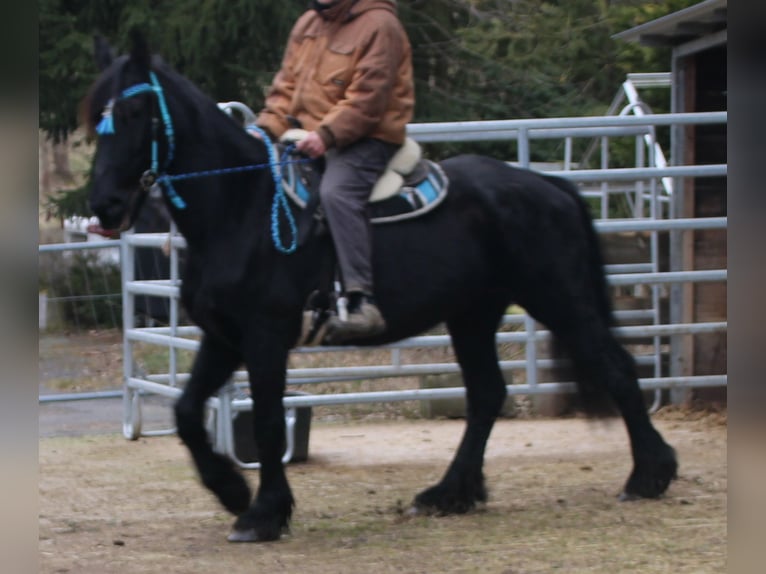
133 109
125 112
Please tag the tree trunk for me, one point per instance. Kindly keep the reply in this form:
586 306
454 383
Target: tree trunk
44 163
61 163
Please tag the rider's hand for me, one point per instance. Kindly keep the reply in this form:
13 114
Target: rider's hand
312 145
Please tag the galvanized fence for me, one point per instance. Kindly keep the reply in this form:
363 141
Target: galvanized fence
652 208
80 286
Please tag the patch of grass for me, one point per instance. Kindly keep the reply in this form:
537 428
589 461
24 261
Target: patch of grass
155 359
87 361
69 384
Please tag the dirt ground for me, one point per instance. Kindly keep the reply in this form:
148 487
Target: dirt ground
110 505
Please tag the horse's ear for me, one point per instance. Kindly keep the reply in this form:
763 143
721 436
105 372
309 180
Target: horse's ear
139 52
102 52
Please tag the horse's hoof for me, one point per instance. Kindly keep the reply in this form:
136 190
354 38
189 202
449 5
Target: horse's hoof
414 511
248 535
251 535
650 480
628 497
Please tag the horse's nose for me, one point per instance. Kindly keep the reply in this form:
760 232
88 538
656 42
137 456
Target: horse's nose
108 207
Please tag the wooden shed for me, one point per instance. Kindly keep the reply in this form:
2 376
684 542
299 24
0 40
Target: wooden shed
698 38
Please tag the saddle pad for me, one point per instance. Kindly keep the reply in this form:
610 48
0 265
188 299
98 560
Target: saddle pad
413 199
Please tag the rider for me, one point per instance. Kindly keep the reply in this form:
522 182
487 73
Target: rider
346 76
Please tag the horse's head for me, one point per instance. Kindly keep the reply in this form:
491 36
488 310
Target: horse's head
123 109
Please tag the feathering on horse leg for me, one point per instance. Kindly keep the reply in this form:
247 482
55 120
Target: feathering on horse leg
213 366
654 461
463 486
601 364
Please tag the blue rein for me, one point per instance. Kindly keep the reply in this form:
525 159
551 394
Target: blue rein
280 198
165 180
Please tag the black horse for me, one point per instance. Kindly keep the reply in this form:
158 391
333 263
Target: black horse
503 235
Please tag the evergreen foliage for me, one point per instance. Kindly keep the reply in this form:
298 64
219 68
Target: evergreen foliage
473 59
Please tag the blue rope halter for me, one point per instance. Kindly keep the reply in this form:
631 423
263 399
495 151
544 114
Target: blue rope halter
106 127
165 180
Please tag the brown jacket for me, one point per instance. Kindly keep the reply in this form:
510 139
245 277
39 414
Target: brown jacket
347 75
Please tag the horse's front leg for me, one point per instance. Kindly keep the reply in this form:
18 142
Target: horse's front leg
269 515
213 366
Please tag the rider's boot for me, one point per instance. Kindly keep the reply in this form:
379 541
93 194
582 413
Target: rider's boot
364 320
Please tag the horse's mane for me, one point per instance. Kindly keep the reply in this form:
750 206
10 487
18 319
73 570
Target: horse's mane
106 82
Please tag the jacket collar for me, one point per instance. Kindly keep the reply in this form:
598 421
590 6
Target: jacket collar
344 10
333 11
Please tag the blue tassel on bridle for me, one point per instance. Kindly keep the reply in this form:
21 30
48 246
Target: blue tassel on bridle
106 125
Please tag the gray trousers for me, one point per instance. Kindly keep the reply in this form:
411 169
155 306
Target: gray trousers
350 174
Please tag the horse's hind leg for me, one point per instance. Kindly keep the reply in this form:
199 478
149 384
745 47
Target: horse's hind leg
603 368
654 461
213 366
473 338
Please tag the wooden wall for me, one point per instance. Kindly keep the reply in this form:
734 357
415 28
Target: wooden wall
707 92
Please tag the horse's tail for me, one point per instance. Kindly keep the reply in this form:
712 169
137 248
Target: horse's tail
595 257
593 397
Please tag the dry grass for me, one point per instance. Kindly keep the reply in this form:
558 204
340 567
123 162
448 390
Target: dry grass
108 505
80 362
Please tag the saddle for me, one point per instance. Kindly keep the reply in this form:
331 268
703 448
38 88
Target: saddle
409 187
